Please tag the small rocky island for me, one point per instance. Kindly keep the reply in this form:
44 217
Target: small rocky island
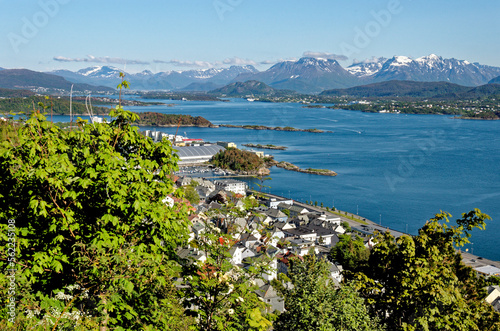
280 148
277 128
292 167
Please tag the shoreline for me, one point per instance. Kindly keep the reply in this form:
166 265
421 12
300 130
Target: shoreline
469 259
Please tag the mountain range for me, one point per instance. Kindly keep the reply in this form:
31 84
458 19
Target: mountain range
306 75
203 80
430 68
35 81
313 75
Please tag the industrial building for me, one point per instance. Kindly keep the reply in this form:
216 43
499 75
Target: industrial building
197 154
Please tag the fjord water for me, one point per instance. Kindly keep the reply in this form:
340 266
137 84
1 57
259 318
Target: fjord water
396 169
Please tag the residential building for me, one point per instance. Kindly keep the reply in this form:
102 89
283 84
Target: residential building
232 185
493 297
271 297
276 215
273 202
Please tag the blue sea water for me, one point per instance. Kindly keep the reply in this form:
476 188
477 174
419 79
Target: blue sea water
395 169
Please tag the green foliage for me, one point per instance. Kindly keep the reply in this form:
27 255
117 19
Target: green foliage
237 160
219 295
88 210
421 283
191 195
346 226
350 252
313 303
8 131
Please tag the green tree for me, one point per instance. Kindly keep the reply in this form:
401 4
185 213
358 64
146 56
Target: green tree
421 283
89 210
346 226
237 160
350 252
313 303
191 195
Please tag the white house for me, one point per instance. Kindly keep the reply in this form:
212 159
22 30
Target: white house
232 185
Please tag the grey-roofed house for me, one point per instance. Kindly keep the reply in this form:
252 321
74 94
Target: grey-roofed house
271 297
369 230
248 240
324 236
276 215
203 192
273 202
336 272
300 246
493 297
327 221
301 232
191 255
294 209
184 181
198 228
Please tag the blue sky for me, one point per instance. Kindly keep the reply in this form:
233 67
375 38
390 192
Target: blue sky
179 35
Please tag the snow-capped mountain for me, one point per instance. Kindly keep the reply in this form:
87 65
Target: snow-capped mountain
109 76
367 68
433 68
307 75
100 72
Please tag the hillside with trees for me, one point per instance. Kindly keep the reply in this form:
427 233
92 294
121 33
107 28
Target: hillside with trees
237 160
58 106
159 119
248 88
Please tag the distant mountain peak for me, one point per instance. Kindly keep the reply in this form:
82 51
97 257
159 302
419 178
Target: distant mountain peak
400 60
99 71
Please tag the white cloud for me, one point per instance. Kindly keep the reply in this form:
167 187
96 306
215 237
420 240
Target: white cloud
103 60
323 55
206 64
194 64
238 61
